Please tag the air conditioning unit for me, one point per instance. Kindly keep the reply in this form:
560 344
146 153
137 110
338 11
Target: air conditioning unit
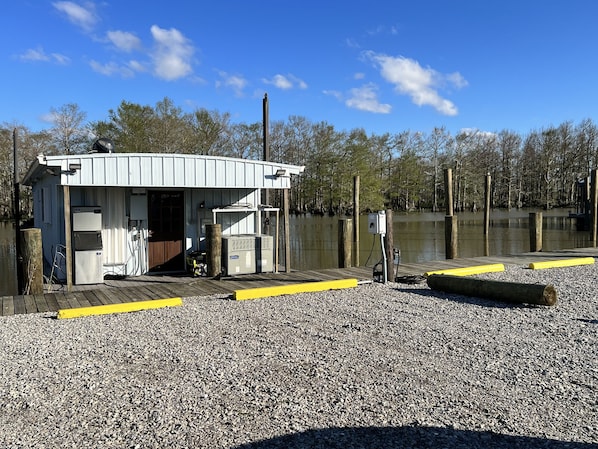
265 253
238 254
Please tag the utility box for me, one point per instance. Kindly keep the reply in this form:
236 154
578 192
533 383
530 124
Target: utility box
377 222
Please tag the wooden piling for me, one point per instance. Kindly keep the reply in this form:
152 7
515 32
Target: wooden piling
356 182
487 188
594 206
450 220
214 249
32 266
535 231
345 235
448 188
450 236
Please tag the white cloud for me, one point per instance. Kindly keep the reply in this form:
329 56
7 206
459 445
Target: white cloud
359 76
39 55
111 68
124 41
365 98
83 17
334 93
286 82
421 84
136 66
172 55
235 82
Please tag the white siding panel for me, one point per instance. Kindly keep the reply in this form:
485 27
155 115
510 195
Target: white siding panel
145 167
179 177
167 170
230 178
99 171
123 171
189 170
111 167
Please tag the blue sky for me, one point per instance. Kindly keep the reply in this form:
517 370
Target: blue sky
384 66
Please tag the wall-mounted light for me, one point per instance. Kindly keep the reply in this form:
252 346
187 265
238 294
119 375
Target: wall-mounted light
74 167
281 173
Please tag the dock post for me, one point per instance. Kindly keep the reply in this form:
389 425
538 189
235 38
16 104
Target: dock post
487 203
214 249
535 231
450 220
31 247
487 189
356 182
345 234
450 236
594 206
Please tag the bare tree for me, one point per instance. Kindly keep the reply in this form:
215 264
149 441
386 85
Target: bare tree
69 133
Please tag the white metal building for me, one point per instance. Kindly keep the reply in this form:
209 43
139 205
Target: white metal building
154 207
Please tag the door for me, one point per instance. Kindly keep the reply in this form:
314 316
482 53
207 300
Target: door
166 231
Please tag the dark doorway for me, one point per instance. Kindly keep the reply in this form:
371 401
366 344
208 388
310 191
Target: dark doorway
166 231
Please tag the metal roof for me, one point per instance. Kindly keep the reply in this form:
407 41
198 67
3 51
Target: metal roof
161 170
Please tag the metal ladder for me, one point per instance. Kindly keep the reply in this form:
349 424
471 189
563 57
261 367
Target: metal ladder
59 252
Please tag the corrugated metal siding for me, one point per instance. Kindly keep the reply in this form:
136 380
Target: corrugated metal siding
156 170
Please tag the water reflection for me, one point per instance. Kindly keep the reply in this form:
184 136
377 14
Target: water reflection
419 236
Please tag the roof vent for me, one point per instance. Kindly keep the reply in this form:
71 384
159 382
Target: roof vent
102 145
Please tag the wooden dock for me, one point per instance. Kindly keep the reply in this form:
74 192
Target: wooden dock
143 288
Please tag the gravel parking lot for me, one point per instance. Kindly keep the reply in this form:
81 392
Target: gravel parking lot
378 366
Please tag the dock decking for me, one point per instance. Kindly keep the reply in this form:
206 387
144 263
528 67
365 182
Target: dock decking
145 288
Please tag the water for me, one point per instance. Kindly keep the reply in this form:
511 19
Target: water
419 236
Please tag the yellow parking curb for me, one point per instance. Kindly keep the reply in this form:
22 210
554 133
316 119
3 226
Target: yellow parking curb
119 308
562 263
262 292
468 271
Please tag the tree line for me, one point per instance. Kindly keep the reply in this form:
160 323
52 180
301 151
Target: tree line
402 171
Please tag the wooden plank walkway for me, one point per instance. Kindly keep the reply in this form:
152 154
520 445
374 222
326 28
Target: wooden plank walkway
143 288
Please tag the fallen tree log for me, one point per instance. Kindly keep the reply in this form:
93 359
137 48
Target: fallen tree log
543 295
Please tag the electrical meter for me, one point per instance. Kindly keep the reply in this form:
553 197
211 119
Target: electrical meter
377 222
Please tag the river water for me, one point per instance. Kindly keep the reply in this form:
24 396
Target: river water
419 236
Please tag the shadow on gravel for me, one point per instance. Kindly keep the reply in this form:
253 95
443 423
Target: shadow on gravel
406 438
468 299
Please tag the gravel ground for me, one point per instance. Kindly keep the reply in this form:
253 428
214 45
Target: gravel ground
379 366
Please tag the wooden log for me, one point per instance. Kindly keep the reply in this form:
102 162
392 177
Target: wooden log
513 292
214 249
345 235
